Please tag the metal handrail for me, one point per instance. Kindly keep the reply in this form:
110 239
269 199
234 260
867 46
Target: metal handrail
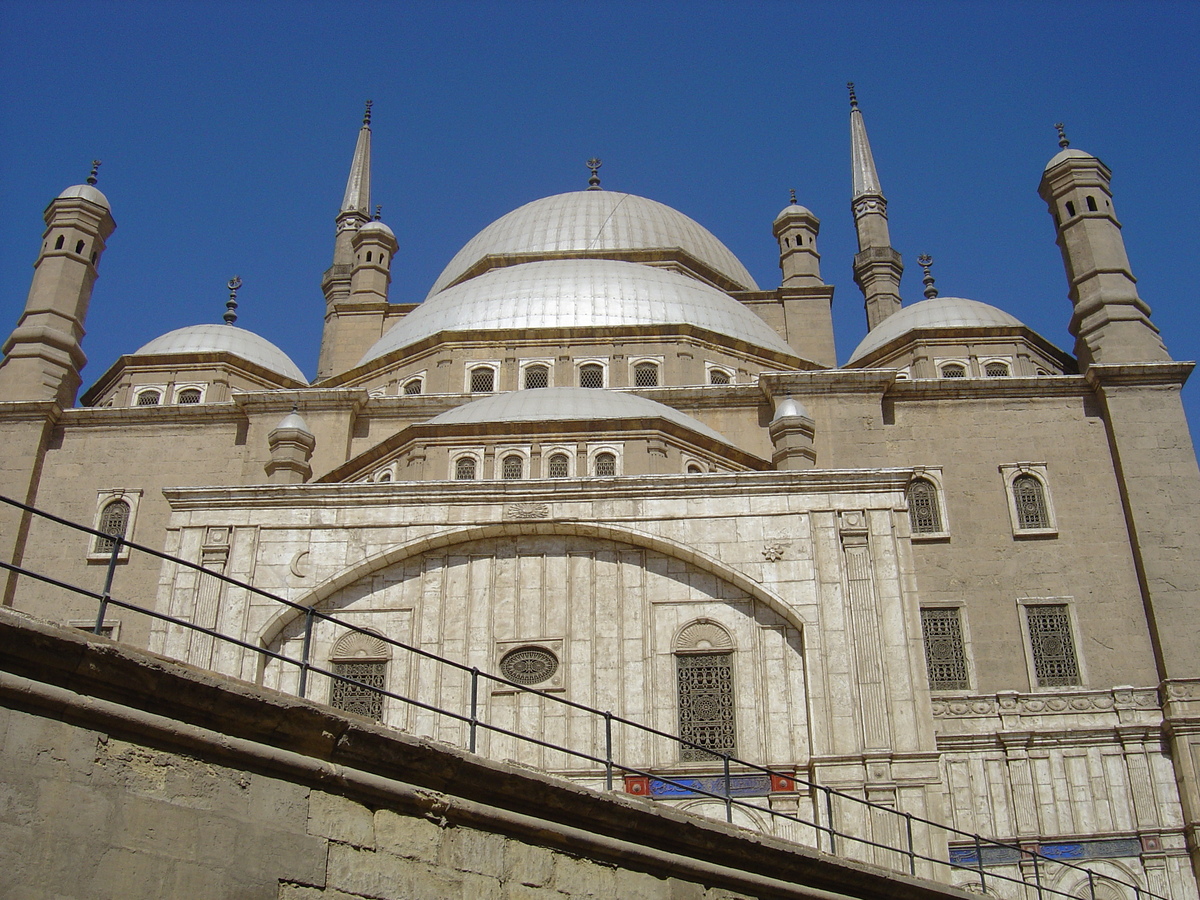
905 820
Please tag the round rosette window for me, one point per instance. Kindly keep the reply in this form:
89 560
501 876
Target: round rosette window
529 665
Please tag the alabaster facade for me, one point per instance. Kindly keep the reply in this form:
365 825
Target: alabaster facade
956 576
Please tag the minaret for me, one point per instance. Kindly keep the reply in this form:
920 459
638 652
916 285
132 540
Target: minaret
1110 322
43 357
877 267
796 230
354 214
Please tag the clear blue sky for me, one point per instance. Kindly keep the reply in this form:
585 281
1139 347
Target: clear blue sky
226 131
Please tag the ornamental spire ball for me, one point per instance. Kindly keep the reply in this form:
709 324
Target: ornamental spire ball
594 182
231 304
1062 136
853 96
792 192
91 179
925 261
367 113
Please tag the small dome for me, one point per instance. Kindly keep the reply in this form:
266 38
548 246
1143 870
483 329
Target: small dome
1067 153
568 404
789 407
225 339
598 221
567 293
293 420
85 192
794 209
940 312
378 227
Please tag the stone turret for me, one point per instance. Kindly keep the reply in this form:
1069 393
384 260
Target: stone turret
792 432
43 356
877 267
291 445
796 230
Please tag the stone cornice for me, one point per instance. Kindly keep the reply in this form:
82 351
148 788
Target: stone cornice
30 411
307 399
1030 387
827 381
1102 375
123 416
639 487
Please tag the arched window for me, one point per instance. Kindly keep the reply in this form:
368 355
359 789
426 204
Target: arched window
558 466
359 666
694 469
412 386
704 680
923 509
385 475
996 370
58 245
718 376
79 246
953 370
605 465
368 256
483 380
149 398
591 376
1091 204
645 374
512 468
1030 499
1070 208
113 520
537 377
189 395
464 468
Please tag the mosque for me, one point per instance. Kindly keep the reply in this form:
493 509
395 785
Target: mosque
957 575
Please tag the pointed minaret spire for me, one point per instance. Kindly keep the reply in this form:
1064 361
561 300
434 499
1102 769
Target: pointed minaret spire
357 201
877 267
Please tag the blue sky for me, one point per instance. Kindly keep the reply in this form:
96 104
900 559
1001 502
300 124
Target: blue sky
226 131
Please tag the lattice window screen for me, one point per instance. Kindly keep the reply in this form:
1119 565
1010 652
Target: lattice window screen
464 469
706 704
1031 503
606 465
363 698
512 468
537 377
1054 661
645 375
114 520
483 381
945 656
558 466
591 376
923 508
716 376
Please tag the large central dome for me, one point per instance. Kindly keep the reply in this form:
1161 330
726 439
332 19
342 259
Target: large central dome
595 222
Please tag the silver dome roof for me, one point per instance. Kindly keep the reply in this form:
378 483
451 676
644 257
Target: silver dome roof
1067 153
940 312
565 293
227 339
568 403
86 192
594 220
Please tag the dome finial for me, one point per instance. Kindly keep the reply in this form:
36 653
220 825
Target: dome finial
925 261
1062 136
231 303
853 96
91 179
594 182
378 211
792 193
367 113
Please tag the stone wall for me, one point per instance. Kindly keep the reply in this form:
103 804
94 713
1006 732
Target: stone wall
127 775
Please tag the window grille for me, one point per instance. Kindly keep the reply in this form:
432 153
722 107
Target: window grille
529 665
996 370
558 466
591 376
1030 498
945 657
512 468
148 398
113 520
718 376
537 377
1053 646
923 510
362 698
954 370
645 375
706 704
464 469
483 380
189 395
413 387
606 465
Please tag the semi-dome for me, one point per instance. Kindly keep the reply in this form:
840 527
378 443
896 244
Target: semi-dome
85 192
225 339
599 221
568 403
572 293
940 312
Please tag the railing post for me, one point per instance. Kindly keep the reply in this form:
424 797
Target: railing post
1037 875
306 650
109 574
979 862
728 792
474 705
608 760
912 856
829 818
1092 884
